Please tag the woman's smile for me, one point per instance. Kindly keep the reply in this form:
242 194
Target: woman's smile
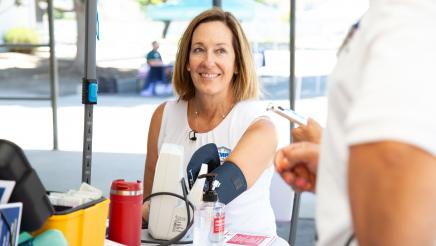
209 75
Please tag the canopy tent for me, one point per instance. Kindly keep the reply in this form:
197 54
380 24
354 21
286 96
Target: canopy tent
188 9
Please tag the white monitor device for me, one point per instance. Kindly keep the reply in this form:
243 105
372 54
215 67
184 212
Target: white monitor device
169 171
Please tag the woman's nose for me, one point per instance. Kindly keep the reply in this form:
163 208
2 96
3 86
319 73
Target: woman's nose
209 59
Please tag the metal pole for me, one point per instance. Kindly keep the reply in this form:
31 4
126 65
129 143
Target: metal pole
297 196
90 74
54 78
294 219
217 3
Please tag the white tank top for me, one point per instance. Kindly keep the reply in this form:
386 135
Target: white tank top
251 211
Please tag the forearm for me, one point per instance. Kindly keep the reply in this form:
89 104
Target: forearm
149 170
148 182
392 189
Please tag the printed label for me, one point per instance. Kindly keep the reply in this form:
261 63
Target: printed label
218 224
179 223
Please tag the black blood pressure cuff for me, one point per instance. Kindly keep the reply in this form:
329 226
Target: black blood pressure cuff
231 182
207 154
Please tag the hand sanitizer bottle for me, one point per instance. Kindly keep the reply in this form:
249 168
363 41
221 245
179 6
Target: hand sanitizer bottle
209 217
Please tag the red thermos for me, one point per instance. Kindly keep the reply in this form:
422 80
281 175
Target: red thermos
125 216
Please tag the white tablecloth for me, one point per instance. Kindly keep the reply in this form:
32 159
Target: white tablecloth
278 242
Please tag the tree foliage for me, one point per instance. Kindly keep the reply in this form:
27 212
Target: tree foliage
145 3
269 2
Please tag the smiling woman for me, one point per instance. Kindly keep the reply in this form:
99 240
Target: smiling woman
215 80
245 84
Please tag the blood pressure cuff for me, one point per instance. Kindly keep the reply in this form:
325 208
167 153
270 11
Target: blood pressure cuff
231 182
207 154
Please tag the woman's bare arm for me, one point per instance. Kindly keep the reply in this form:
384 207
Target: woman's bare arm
255 150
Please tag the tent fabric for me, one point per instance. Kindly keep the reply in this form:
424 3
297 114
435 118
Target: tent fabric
188 9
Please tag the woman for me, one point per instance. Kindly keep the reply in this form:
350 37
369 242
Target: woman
215 80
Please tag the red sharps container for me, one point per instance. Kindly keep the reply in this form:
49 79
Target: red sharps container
125 216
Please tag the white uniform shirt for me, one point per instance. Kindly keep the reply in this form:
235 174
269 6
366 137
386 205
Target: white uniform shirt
251 211
383 88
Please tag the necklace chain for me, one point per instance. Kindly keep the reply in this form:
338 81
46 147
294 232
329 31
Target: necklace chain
197 115
222 116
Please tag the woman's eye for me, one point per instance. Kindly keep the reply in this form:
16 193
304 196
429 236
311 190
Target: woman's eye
197 50
221 51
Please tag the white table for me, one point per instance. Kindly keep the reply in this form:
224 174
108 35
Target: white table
278 242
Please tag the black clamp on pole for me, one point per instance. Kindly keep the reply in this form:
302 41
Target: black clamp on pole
89 91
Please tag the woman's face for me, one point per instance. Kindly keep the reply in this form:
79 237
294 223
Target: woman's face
212 58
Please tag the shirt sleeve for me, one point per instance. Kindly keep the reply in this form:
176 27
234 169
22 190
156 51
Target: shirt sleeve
397 97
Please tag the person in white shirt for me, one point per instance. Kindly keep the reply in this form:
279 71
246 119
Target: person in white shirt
216 84
376 166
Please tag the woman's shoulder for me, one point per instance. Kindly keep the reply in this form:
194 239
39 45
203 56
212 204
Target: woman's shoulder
175 104
247 112
172 109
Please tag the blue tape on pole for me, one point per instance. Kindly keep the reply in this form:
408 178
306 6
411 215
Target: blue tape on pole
92 92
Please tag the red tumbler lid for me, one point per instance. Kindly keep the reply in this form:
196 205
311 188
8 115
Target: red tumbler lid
121 187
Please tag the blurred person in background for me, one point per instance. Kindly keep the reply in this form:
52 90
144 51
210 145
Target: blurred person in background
158 73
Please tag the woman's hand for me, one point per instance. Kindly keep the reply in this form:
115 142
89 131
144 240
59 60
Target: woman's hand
297 163
310 133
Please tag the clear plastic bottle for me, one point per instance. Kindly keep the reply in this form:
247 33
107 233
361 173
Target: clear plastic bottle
209 217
